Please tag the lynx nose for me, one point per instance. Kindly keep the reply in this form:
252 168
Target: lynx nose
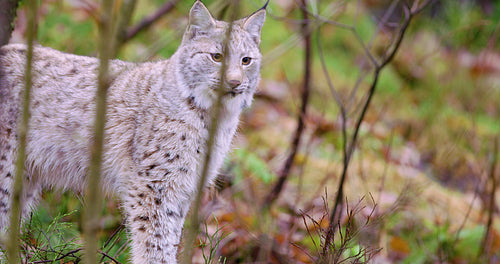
234 83
233 77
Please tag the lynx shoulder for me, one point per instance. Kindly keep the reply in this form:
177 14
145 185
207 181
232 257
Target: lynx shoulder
158 118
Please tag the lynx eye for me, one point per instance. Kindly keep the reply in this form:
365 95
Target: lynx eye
246 60
217 57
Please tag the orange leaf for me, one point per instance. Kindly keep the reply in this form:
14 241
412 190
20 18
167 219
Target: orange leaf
399 245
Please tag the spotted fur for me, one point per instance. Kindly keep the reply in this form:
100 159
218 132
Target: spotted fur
157 125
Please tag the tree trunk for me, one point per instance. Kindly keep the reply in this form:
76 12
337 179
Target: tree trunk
7 15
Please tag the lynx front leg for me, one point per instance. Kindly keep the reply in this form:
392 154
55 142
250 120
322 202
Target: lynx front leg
31 187
155 217
29 198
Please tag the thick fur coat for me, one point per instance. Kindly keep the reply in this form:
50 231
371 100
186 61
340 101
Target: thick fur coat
158 118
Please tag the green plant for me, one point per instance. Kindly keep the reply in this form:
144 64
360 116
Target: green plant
253 164
209 244
57 241
345 246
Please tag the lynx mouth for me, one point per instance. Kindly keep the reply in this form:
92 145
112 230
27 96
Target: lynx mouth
229 92
234 92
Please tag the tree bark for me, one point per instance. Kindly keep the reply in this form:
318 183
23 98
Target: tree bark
8 10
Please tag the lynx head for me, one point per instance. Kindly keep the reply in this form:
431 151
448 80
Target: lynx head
205 51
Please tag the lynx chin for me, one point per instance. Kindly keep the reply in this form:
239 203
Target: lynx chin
158 118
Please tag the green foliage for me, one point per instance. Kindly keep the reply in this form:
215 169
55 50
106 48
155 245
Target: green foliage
62 31
438 242
390 82
470 26
51 242
254 165
211 244
46 237
469 242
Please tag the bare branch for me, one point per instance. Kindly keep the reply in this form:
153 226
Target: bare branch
148 21
389 55
16 205
285 171
487 239
123 20
59 258
334 92
110 239
416 8
94 199
295 39
105 255
193 228
347 27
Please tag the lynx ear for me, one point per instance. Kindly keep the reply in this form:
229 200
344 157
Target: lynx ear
200 19
253 24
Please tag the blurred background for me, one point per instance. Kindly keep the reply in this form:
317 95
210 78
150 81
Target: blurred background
421 184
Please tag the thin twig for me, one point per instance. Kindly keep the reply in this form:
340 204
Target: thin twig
17 193
115 233
123 21
94 195
386 168
295 39
285 171
193 228
110 239
110 257
333 91
149 20
57 259
467 213
350 28
120 250
389 55
362 75
382 22
416 8
48 241
486 243
307 154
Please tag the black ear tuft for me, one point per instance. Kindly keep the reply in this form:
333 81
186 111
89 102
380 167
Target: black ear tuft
265 5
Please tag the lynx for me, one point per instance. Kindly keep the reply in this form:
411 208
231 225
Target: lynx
158 120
